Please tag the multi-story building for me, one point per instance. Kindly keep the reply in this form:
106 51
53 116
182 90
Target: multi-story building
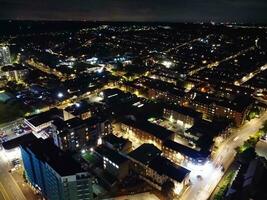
156 170
83 110
114 162
205 134
5 58
145 132
56 175
181 154
235 109
15 72
184 116
74 134
157 89
43 120
117 143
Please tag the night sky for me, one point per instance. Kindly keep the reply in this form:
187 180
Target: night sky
137 10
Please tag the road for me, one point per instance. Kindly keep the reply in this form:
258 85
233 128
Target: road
201 189
141 196
8 186
251 75
216 63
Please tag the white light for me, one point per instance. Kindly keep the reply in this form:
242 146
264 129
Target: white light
60 95
83 151
167 64
77 105
100 70
91 149
99 141
201 169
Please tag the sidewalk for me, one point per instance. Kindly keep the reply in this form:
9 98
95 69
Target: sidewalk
25 188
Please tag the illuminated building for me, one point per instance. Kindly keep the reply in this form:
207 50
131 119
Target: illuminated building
236 109
157 89
146 132
55 174
74 134
156 170
114 162
5 58
182 115
181 154
15 73
41 121
80 109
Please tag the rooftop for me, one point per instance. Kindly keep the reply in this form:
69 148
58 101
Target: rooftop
44 117
79 108
187 151
153 129
117 142
145 153
184 110
47 152
111 154
163 166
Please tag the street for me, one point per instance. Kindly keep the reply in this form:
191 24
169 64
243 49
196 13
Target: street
201 189
8 186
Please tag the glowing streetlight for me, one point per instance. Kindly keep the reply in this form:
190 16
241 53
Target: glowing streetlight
60 95
99 141
83 151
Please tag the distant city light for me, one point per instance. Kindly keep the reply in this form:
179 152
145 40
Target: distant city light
60 95
167 64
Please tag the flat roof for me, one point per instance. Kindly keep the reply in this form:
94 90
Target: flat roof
118 142
187 151
79 108
184 110
145 153
17 141
239 103
57 159
111 154
43 117
204 127
163 166
163 86
153 129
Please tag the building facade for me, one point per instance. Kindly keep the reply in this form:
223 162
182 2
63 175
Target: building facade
53 173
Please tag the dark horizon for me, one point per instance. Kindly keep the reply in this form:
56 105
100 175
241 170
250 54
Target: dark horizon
194 11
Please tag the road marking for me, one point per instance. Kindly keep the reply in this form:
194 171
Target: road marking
5 195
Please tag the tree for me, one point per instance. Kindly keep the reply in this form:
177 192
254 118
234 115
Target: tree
168 189
264 129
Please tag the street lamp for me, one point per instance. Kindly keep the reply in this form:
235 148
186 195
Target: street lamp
83 151
60 95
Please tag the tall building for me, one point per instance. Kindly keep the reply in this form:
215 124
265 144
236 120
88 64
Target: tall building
54 173
5 58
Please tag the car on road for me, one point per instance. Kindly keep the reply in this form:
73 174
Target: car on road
15 162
